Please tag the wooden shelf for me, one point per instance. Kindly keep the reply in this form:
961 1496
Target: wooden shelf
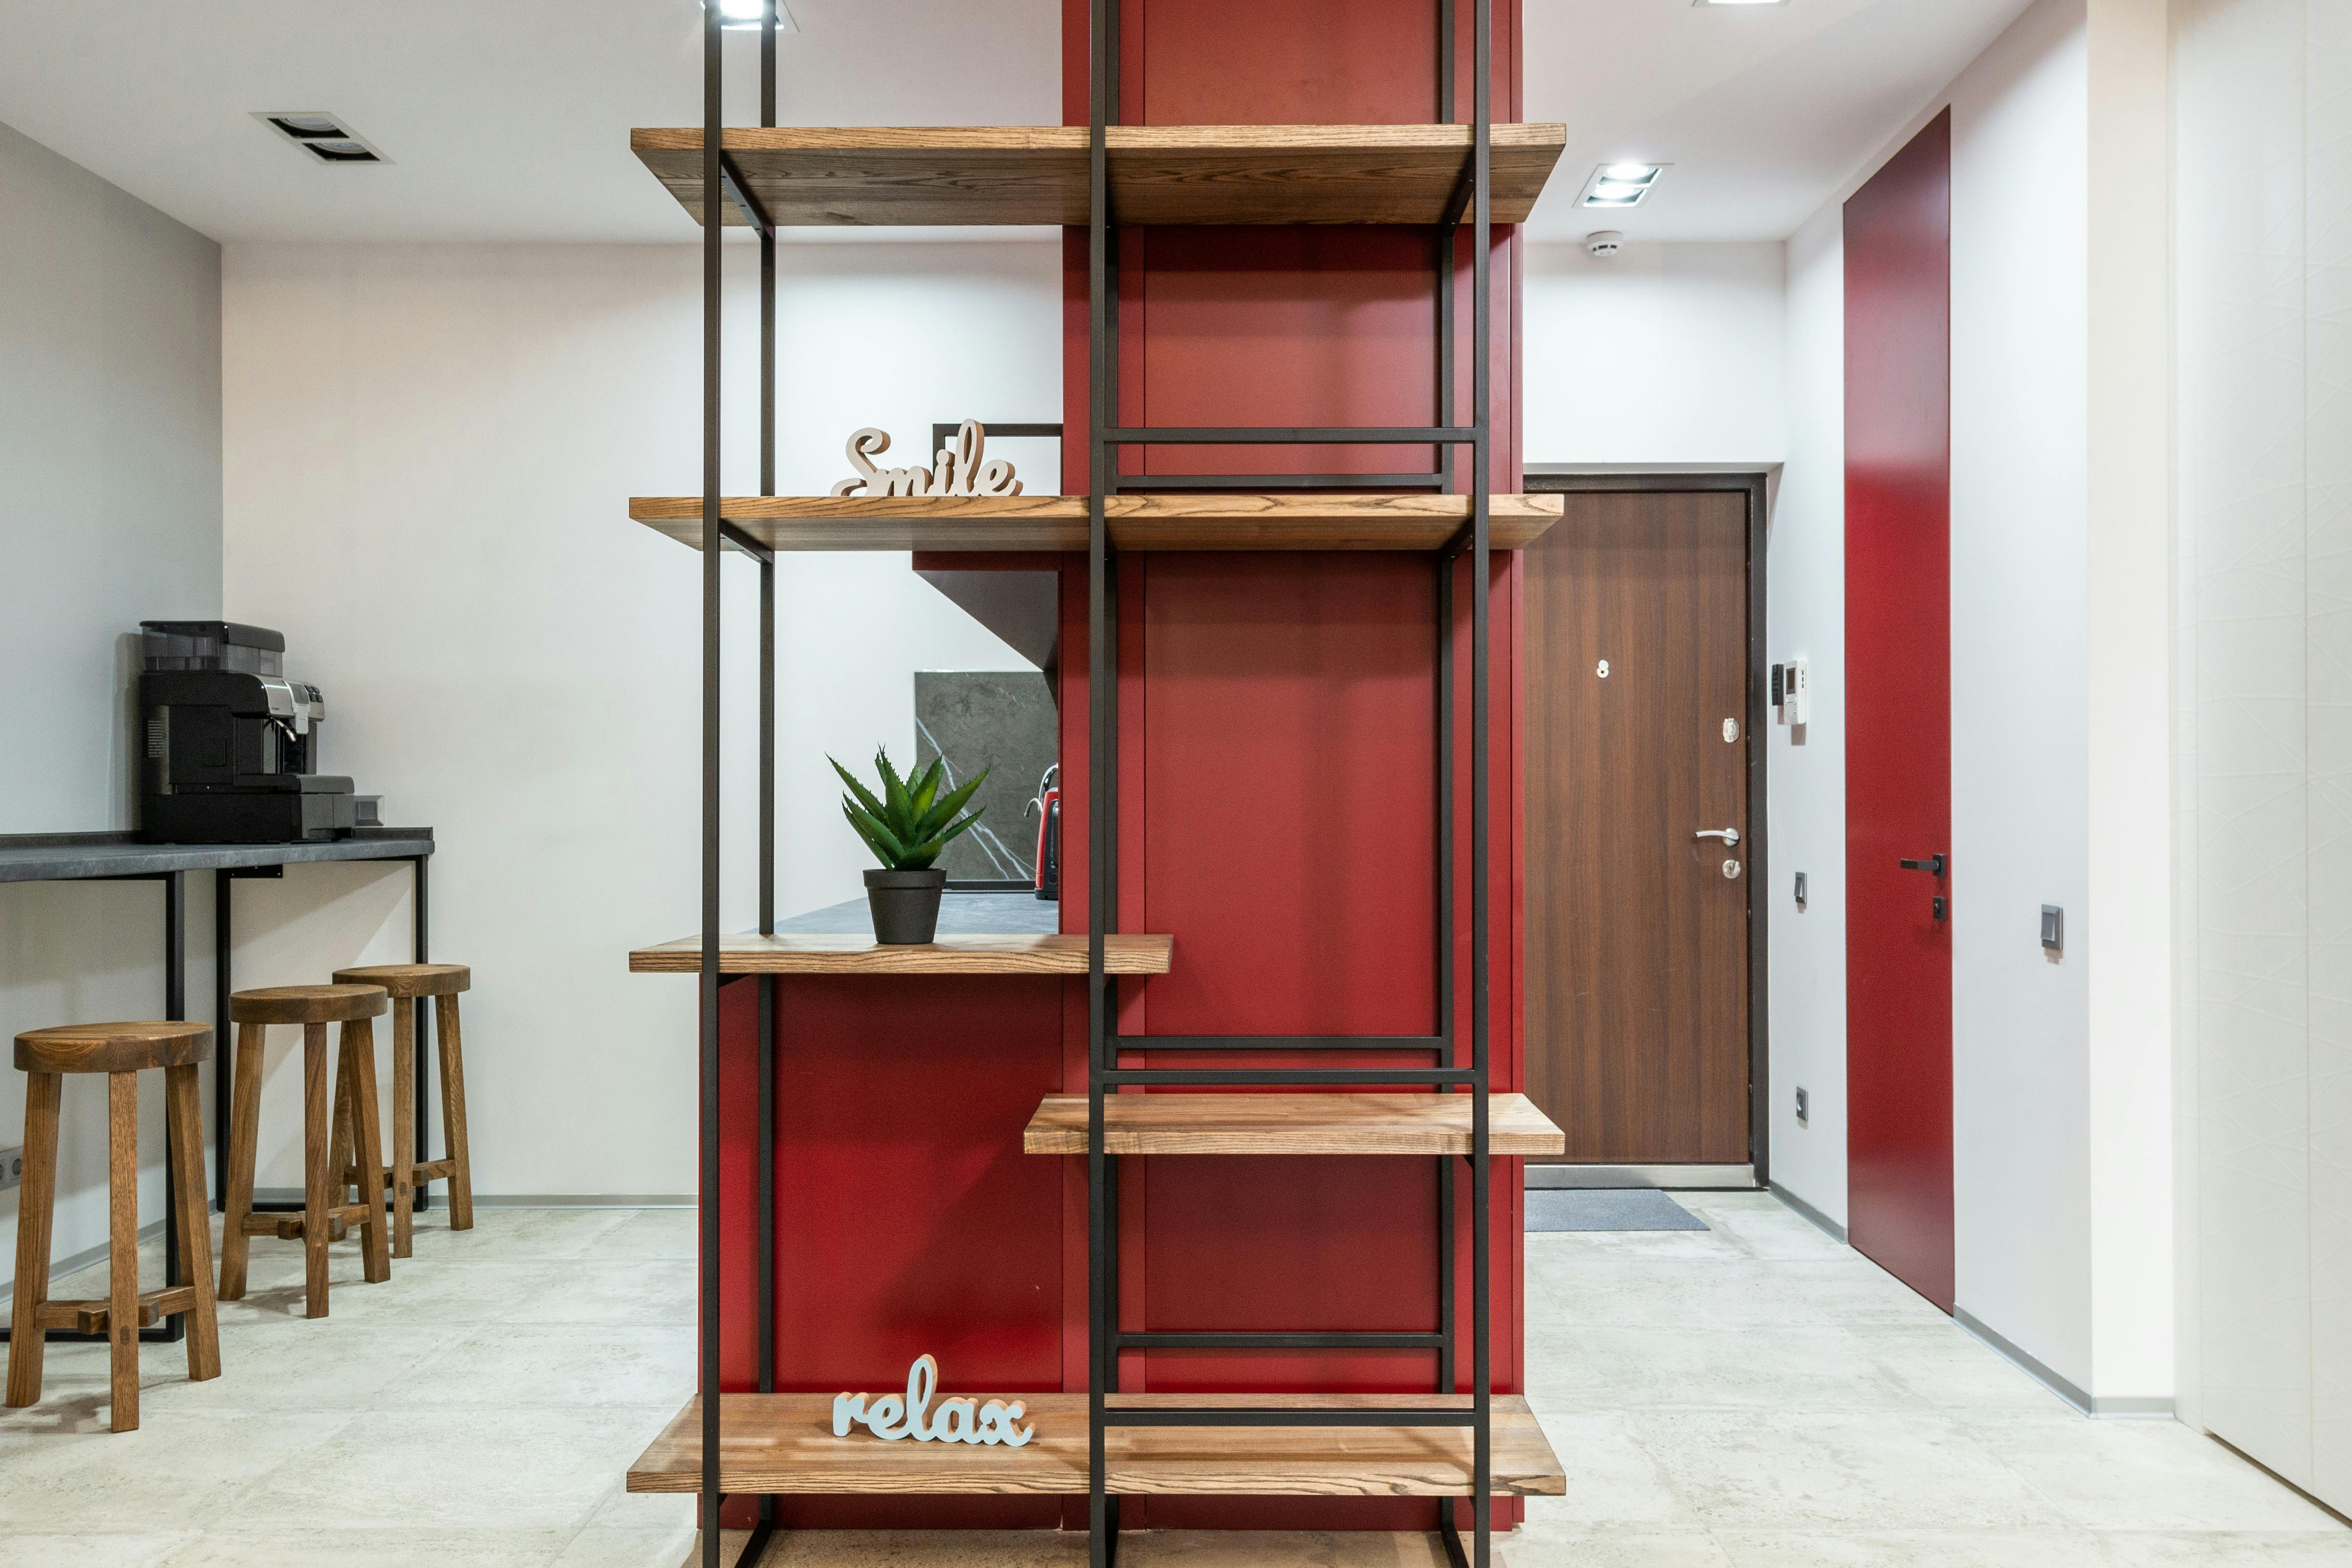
784 1442
1183 1123
1197 520
865 176
859 953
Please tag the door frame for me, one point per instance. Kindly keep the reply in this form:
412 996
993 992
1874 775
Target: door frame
1547 479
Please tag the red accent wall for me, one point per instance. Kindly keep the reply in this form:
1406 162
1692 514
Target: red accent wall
1277 730
1898 271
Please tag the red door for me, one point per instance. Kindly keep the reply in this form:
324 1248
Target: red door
1898 769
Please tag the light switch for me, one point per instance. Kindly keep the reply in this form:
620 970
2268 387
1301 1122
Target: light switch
1800 889
2054 928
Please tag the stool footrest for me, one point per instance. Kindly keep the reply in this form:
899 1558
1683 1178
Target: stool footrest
426 1171
97 1317
289 1226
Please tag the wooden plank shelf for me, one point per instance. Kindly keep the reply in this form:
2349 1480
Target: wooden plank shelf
1199 520
860 176
1184 1122
784 1442
858 953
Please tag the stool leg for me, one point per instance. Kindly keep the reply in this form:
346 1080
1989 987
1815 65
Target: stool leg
315 1132
453 1113
243 1119
359 1072
122 1244
185 1121
404 1125
33 1212
341 1175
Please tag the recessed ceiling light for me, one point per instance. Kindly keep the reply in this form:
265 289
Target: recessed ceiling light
1620 185
738 16
318 132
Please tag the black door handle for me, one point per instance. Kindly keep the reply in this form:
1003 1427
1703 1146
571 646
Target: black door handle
1932 863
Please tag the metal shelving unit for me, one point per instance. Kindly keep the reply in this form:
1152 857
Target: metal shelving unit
1106 1047
722 186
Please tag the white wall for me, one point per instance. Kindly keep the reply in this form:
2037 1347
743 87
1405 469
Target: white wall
2059 733
2265 234
1805 767
429 452
1662 354
2021 808
109 514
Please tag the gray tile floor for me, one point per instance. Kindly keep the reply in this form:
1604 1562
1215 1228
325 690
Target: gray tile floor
1754 1395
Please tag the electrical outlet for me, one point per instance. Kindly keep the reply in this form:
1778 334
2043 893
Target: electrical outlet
1804 1109
12 1168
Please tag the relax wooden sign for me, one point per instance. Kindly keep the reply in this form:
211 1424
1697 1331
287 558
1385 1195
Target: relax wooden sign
957 470
956 1420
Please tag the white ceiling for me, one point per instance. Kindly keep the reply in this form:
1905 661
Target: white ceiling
508 120
1764 112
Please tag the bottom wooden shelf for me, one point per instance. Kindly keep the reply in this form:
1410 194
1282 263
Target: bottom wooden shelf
784 1442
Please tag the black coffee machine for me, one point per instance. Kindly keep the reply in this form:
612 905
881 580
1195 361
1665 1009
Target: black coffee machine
230 742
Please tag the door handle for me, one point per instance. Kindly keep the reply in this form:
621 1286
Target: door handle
1729 836
1933 865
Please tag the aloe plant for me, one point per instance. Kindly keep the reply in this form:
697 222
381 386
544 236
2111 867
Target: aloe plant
910 822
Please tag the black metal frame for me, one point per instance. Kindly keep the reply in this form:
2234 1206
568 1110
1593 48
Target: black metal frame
1106 1047
721 183
1753 485
175 1006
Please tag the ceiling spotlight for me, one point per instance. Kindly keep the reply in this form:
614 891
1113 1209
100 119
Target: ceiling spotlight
327 138
746 15
1620 185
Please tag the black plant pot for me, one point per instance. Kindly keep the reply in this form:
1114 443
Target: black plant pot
906 905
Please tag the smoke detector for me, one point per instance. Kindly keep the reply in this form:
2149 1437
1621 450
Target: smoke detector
320 135
1604 243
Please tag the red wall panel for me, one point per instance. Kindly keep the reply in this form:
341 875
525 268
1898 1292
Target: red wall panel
908 1218
1898 712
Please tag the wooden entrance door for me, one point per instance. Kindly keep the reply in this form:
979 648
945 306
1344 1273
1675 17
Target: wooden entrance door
1637 937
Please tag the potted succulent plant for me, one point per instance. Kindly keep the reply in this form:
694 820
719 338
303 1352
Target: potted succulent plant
905 826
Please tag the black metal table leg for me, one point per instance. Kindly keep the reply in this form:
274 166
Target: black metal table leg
419 939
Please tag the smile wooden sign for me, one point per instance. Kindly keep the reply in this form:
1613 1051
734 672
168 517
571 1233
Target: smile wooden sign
956 1420
962 469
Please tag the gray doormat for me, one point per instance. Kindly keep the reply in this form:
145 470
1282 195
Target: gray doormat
1607 1208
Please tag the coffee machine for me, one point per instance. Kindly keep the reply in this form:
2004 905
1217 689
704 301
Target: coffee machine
230 742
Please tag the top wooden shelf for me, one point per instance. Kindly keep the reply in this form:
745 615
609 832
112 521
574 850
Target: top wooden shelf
850 177
1175 520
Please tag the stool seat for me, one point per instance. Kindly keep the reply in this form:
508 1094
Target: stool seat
411 979
308 1003
113 1048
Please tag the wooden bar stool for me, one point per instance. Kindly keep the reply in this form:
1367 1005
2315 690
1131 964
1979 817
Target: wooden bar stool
407 983
120 1051
322 1220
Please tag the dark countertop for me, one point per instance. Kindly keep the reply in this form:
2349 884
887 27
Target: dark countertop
70 856
961 915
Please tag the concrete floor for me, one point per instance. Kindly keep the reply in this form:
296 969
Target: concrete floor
1754 1395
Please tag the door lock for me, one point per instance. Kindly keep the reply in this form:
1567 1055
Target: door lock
1933 865
1730 836
1937 905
